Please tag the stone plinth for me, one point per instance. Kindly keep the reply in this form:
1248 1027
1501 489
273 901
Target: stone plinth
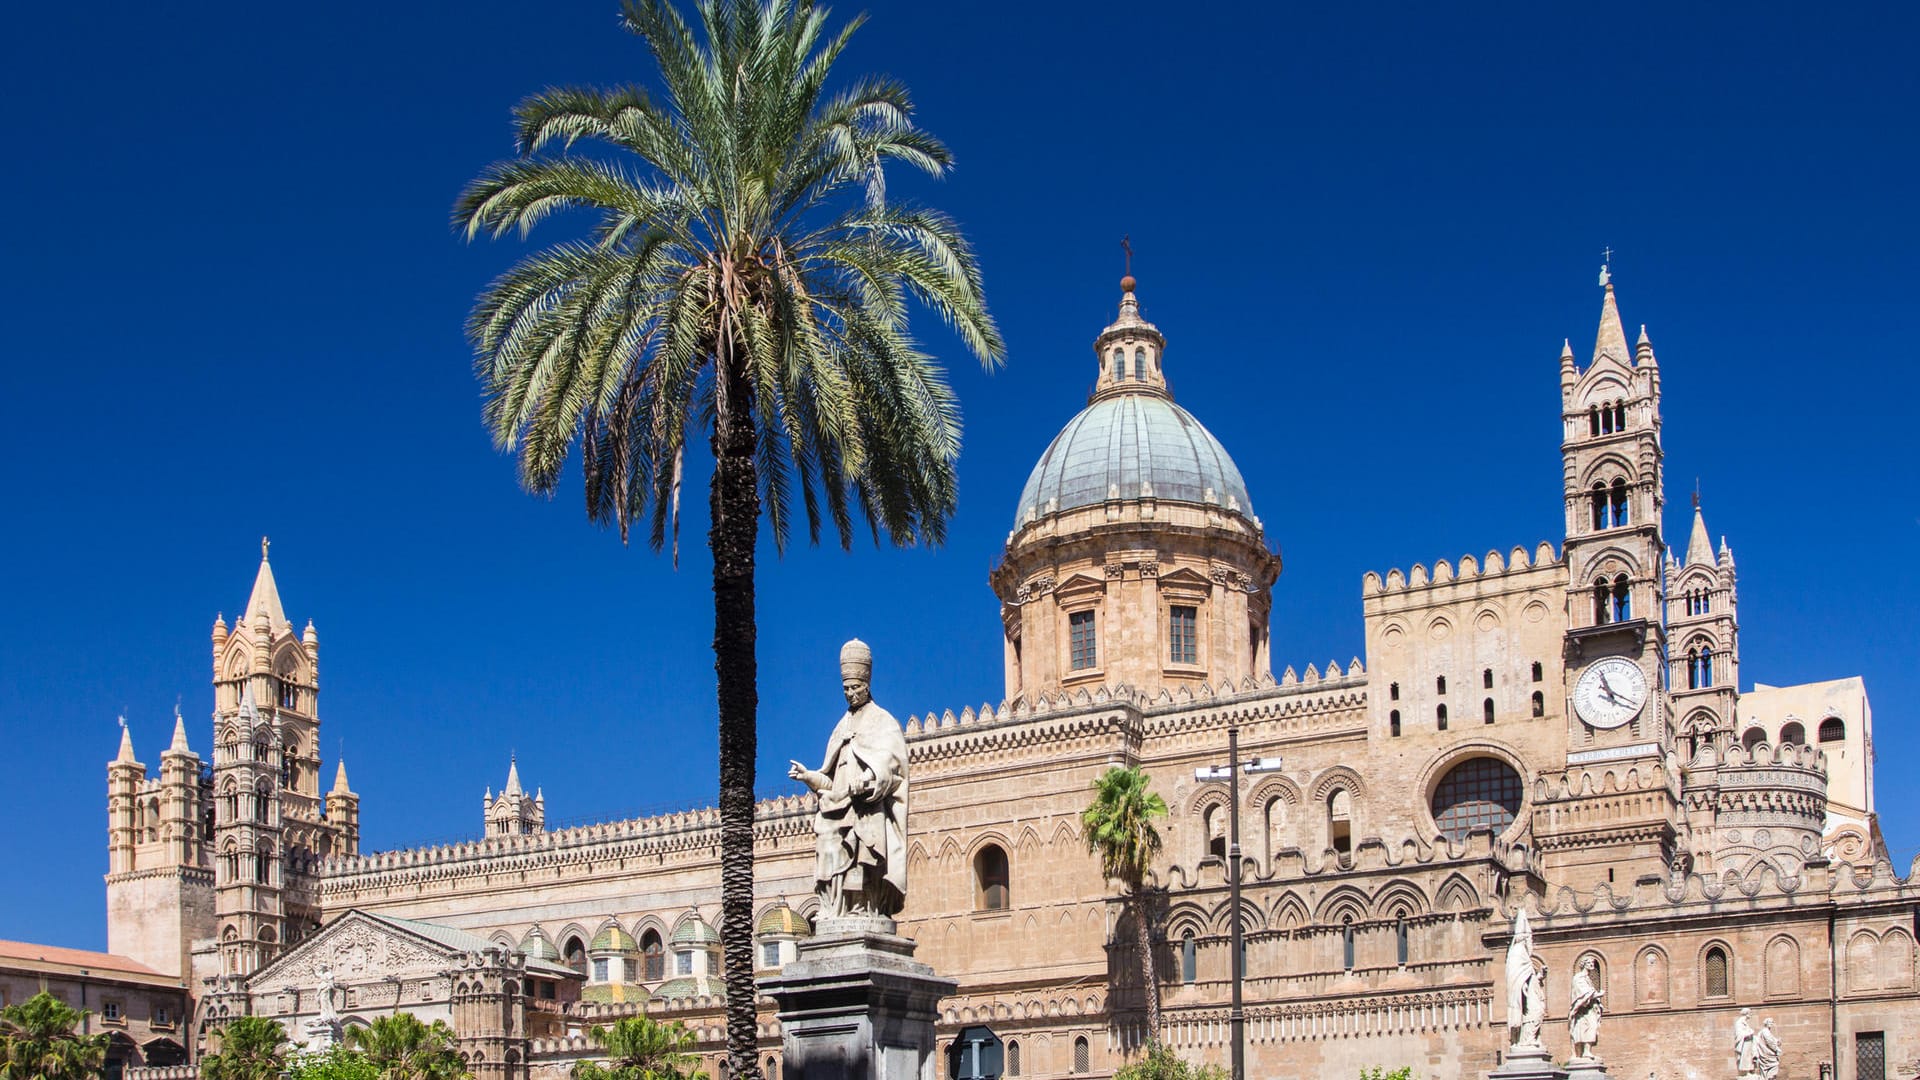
855 1005
1524 1063
320 1034
1588 1068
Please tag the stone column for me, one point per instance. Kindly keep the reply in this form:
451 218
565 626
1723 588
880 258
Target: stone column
857 1006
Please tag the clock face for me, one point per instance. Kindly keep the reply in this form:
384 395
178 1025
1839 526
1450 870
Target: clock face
1610 693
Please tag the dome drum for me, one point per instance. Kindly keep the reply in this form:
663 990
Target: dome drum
1135 555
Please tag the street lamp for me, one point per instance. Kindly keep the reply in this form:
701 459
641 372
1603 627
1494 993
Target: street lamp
1230 772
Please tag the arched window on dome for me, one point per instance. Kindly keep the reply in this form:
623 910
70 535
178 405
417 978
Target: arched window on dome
1119 364
1140 363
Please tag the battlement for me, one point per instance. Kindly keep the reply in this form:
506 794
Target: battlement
1797 756
930 725
683 830
1492 566
162 1072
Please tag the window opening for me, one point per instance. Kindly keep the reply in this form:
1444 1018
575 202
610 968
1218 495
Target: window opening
1833 729
1182 634
1539 673
1717 980
1793 735
1486 711
1393 692
1080 634
600 965
1618 504
1539 704
1082 1056
1139 363
1870 1055
1189 958
990 879
653 957
1119 364
1393 723
1440 717
1400 939
1346 943
1340 820
1486 678
1013 1057
1440 684
1480 793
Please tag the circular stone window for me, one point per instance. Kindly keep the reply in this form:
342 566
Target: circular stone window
1480 793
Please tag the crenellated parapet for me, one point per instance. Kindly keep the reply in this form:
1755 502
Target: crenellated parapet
690 831
1493 565
1762 886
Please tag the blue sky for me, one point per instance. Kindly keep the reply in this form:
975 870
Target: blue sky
234 305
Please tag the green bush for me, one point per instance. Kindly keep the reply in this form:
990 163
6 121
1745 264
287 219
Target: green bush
1162 1063
335 1063
1404 1072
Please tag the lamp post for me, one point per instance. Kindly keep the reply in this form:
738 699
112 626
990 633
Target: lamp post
1230 772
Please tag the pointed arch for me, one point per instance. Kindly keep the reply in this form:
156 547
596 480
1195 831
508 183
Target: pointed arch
1457 894
1343 903
1650 977
1781 966
1289 912
1401 898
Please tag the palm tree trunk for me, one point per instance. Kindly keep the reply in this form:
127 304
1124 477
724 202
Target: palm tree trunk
1150 984
733 534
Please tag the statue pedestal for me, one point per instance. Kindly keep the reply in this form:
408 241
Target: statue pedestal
856 1005
1587 1068
320 1034
1528 1063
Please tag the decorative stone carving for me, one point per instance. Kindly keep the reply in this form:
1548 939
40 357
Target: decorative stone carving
1746 1044
860 829
1766 1053
1526 988
1588 1001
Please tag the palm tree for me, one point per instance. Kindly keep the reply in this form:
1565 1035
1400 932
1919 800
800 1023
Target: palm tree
748 278
640 1048
39 1041
251 1048
403 1048
1119 829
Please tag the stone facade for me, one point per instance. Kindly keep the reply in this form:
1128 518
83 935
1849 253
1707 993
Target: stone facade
145 1013
1550 727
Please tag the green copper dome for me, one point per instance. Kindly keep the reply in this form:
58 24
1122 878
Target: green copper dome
1132 446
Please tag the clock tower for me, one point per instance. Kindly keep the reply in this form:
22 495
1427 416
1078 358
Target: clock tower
1614 651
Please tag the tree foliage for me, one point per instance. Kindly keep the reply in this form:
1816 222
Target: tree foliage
1119 829
40 1040
1404 1072
251 1048
641 1048
1161 1063
400 1047
747 278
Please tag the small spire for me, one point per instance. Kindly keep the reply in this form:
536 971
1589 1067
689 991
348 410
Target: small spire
265 598
1699 544
340 780
310 635
1643 336
126 745
513 776
1566 349
248 710
1612 338
179 733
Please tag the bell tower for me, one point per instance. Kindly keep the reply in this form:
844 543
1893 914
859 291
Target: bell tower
270 827
1612 484
1614 651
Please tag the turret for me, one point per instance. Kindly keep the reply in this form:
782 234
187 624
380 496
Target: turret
125 776
514 813
343 813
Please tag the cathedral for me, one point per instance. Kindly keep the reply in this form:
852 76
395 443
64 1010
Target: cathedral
1555 728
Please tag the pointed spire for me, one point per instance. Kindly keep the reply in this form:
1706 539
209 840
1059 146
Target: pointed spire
1699 544
179 734
1726 554
125 757
266 594
1612 338
248 710
340 780
513 776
